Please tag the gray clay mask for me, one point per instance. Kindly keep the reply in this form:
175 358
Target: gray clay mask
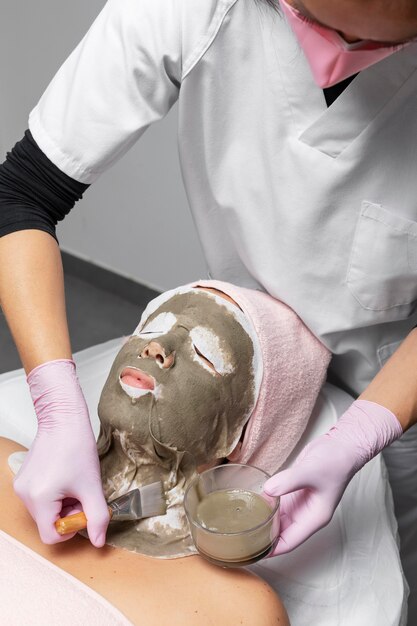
177 396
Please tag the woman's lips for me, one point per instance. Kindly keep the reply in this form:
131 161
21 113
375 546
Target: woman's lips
136 378
136 383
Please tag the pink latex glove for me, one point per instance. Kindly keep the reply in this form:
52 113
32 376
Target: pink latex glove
312 488
61 472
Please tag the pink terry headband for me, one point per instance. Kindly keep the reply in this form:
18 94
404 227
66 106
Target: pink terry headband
294 369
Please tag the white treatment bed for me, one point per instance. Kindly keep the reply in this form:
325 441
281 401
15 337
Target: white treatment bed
348 574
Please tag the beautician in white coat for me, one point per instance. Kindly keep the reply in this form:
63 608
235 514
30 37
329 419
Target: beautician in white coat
298 187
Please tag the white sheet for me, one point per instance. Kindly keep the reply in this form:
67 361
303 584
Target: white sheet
348 574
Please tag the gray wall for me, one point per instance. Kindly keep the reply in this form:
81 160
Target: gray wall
137 203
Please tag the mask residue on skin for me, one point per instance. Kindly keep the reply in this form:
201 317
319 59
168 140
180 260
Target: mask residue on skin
191 417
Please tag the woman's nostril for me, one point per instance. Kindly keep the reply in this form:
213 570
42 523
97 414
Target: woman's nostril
169 360
155 351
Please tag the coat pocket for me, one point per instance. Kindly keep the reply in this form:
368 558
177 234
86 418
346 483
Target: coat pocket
382 271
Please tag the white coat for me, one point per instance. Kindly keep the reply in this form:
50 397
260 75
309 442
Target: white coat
315 205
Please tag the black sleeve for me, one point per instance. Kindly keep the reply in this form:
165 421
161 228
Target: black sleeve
34 193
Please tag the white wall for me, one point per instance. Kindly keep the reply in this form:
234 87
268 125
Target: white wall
135 219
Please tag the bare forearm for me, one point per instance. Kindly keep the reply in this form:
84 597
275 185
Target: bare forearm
32 296
395 386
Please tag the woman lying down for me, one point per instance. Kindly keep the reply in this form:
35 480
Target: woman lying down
212 373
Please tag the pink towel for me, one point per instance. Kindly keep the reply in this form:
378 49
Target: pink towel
35 592
294 369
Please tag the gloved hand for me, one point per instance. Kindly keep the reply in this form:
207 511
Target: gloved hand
312 488
61 471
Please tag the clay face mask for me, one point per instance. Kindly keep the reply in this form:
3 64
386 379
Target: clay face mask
178 396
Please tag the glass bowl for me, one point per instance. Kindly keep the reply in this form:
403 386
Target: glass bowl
233 523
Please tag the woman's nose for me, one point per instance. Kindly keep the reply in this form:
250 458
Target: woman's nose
154 350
